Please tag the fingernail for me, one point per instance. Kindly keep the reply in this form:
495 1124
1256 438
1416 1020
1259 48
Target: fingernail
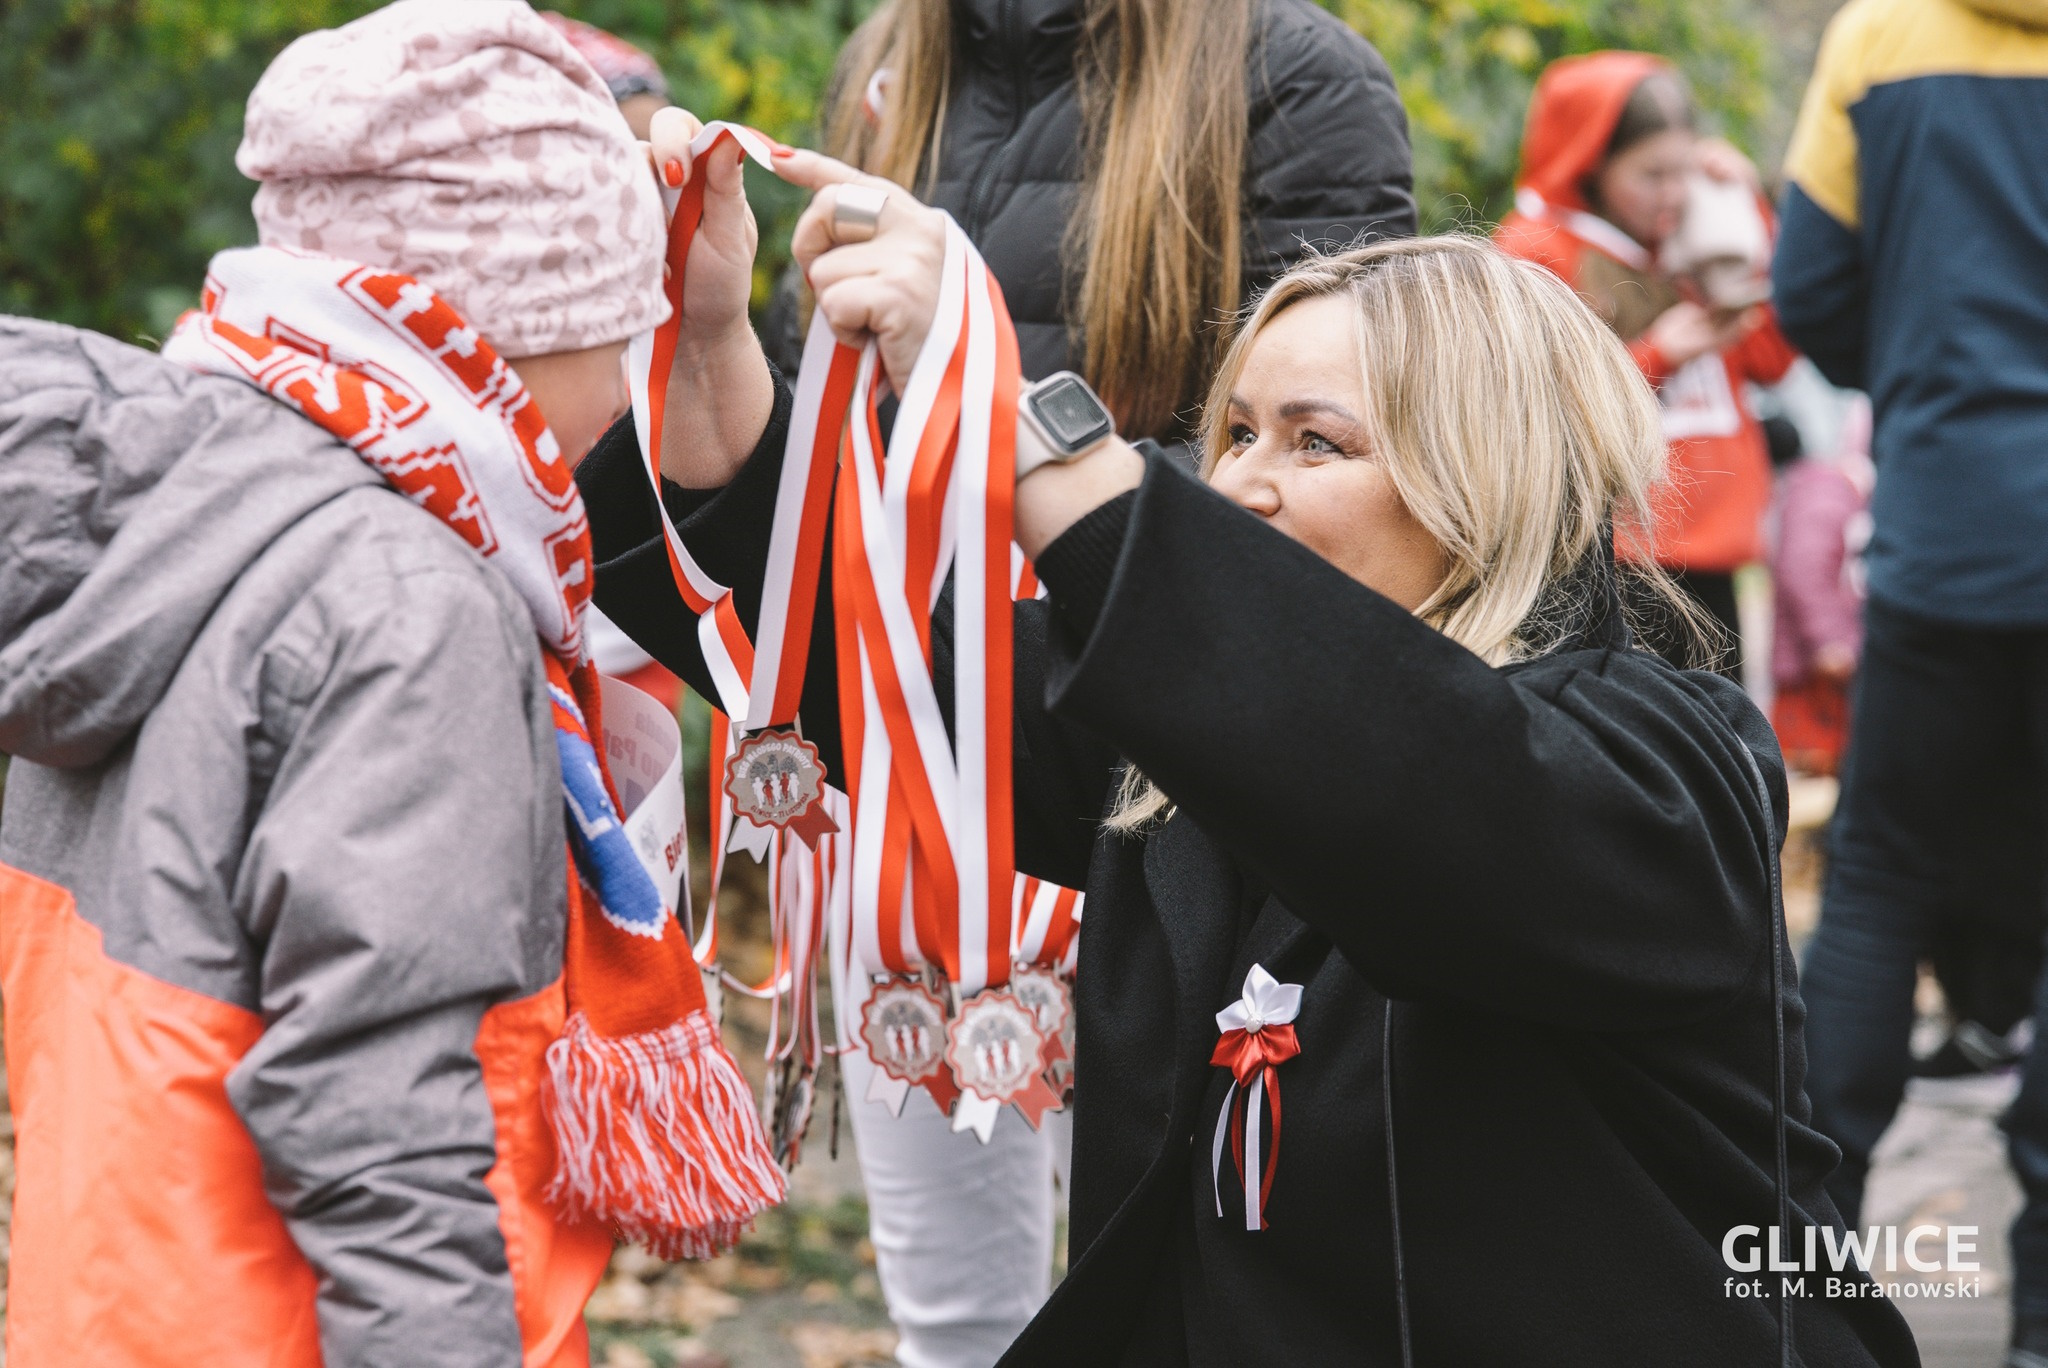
780 151
672 171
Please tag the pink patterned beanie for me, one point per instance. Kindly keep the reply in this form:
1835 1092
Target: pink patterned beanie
471 146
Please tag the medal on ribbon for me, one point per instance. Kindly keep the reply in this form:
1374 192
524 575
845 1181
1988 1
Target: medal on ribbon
771 786
903 1024
1257 1038
920 864
1052 1005
997 1051
775 780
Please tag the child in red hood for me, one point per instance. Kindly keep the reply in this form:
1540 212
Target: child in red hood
1606 154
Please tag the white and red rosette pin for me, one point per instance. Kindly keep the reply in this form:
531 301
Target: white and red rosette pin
1258 1037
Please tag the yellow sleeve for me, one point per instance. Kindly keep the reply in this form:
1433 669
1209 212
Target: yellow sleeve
1822 157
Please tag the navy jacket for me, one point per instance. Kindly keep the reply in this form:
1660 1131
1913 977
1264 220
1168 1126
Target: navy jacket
1913 263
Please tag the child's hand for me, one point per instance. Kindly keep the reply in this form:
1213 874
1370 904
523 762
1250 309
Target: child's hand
1723 161
1687 330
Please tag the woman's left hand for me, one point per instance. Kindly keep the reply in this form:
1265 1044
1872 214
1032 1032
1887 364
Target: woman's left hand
886 287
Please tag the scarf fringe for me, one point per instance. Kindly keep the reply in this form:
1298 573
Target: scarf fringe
657 1137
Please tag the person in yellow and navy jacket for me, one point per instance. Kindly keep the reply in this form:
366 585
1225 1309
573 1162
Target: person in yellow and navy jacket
1913 263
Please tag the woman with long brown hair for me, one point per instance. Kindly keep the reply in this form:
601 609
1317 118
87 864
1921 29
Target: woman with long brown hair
1098 152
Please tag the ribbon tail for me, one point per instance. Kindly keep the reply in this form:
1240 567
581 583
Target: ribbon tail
1255 1094
1216 1147
1272 1080
813 824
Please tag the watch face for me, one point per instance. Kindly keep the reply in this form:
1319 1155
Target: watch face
1070 413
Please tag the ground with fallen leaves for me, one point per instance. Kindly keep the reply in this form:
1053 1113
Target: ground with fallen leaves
799 1291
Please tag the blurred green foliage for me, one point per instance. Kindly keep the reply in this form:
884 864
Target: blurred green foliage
1466 69
119 118
119 121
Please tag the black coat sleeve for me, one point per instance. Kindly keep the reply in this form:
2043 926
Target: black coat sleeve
1327 158
1062 773
1578 841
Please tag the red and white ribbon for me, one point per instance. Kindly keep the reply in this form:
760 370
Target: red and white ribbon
1258 1037
758 684
1045 917
927 871
933 871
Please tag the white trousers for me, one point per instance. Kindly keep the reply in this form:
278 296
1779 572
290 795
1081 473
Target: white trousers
963 1231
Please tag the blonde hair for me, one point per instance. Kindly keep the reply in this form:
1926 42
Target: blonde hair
1509 419
1156 227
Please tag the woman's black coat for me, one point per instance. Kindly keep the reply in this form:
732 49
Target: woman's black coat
1539 892
1326 155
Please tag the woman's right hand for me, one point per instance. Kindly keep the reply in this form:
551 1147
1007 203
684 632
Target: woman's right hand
886 287
1687 331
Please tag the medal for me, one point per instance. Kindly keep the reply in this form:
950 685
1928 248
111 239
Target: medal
775 780
903 1024
1052 1003
997 1051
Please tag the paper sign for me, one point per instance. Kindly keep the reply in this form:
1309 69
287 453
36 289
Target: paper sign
644 749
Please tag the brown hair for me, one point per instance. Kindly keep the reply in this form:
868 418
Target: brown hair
1660 101
1164 106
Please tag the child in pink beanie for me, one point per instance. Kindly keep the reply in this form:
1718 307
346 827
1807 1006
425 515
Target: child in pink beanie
344 1023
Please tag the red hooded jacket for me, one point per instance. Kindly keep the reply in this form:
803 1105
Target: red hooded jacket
1709 514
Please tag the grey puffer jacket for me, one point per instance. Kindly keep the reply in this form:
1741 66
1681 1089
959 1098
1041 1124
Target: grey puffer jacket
282 893
1327 156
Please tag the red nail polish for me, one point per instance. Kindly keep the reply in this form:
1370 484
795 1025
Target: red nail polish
781 151
672 171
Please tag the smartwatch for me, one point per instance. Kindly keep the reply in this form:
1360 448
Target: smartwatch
1059 419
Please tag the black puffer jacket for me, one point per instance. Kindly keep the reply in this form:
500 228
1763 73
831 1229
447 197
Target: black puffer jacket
1327 157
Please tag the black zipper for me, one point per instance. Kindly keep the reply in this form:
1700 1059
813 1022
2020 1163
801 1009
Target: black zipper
1006 23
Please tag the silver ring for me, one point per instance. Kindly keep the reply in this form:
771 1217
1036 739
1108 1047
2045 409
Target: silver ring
857 212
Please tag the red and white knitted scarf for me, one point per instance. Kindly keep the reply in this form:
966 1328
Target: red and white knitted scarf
656 1133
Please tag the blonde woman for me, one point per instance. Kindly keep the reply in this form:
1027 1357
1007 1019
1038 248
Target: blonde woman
1380 764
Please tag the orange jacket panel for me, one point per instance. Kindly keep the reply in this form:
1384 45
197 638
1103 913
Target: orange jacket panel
132 1163
555 1266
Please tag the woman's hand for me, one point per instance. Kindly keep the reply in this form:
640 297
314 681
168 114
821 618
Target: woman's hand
1687 331
720 392
719 277
886 287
